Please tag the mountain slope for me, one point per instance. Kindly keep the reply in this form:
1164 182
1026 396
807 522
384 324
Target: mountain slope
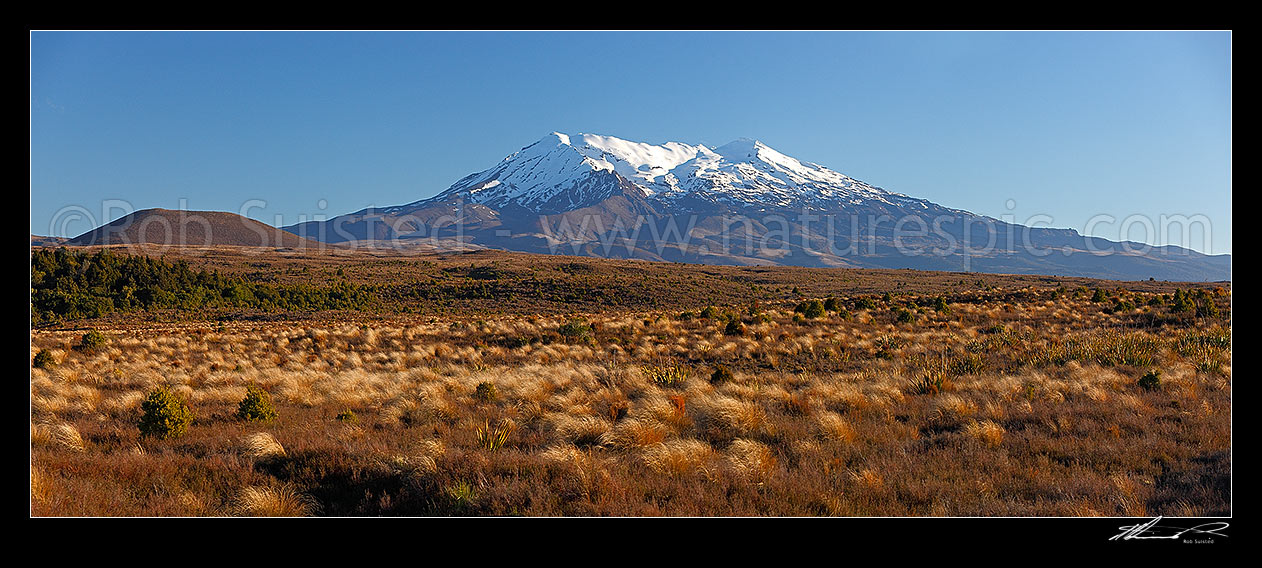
740 203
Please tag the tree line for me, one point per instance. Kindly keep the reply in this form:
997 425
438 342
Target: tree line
68 284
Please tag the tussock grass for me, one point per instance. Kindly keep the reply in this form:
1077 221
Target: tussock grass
262 445
63 435
1011 402
282 501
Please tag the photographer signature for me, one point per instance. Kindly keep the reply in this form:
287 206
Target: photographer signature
1151 530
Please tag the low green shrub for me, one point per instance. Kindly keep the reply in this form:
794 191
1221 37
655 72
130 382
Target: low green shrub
574 329
256 406
44 359
92 342
164 415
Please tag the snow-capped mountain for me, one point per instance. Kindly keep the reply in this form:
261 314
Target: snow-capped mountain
560 173
739 203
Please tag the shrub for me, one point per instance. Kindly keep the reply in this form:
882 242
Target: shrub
256 406
1099 296
485 392
832 305
721 375
165 415
710 312
1121 306
887 298
1207 308
92 342
574 329
44 359
940 304
1182 303
814 309
1151 380
347 415
867 304
905 316
734 327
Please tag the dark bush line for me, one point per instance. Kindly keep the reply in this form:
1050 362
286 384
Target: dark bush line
67 285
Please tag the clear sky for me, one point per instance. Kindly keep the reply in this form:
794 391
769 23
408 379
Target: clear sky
1071 126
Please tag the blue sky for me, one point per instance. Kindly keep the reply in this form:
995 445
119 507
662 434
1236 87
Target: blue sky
1073 126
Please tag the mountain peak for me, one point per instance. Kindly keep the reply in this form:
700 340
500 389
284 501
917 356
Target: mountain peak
741 149
744 172
557 138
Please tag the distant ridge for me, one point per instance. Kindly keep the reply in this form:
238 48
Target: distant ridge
40 241
191 228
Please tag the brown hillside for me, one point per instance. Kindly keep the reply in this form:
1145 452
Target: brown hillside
191 228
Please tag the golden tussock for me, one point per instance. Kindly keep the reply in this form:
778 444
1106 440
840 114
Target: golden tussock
282 501
261 445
